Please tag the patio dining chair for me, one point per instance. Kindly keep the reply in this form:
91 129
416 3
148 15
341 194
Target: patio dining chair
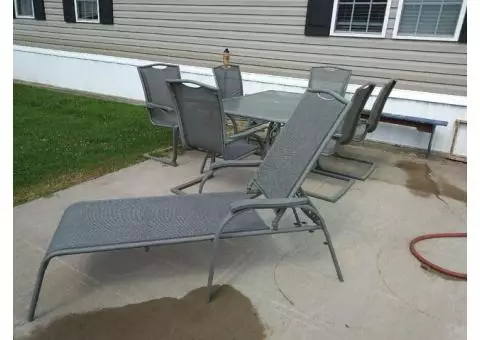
107 225
159 102
202 124
345 136
344 133
331 78
370 123
230 84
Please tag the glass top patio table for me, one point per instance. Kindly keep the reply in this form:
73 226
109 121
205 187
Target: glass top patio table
272 106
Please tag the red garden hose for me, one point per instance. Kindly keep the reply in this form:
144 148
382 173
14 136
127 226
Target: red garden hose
424 261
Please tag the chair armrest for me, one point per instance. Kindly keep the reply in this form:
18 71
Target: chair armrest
245 133
268 203
157 106
331 93
236 164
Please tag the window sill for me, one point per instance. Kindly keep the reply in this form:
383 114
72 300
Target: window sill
425 38
86 21
357 35
24 17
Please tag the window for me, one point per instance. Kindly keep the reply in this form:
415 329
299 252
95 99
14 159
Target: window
86 11
366 18
429 19
24 9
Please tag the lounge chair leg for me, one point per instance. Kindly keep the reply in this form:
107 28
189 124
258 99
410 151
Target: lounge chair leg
316 218
36 289
211 270
332 253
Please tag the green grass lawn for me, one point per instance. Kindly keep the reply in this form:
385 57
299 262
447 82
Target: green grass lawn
61 139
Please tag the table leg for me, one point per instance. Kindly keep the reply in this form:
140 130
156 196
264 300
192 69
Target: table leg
430 141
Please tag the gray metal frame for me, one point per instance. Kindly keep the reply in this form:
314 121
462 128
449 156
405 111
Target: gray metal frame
288 195
161 113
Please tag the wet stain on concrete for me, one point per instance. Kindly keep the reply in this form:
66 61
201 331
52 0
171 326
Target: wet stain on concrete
230 315
420 182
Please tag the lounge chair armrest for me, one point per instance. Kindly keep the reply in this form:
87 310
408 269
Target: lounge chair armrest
245 133
236 164
268 203
157 106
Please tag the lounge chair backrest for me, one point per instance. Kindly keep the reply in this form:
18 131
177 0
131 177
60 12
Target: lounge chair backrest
299 144
200 113
379 104
329 78
229 81
153 79
358 101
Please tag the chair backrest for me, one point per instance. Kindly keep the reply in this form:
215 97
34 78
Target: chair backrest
154 85
329 78
229 81
379 104
358 101
200 115
299 144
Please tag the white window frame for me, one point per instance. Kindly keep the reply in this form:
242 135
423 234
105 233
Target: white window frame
455 37
88 21
17 16
358 34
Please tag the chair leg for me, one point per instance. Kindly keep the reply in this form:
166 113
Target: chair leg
362 177
316 218
202 167
36 289
168 161
174 146
348 184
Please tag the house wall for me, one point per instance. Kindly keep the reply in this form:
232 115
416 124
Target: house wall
264 36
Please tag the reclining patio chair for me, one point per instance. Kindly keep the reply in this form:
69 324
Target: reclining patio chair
104 225
331 78
159 102
202 123
229 83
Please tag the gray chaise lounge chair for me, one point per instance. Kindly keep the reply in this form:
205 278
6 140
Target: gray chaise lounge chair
105 225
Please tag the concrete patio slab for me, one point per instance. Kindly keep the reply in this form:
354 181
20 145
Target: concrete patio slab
290 279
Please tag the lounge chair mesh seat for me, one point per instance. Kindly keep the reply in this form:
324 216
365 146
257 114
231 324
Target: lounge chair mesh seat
102 225
146 220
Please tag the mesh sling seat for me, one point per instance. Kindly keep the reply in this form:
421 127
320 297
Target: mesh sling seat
159 102
104 225
229 83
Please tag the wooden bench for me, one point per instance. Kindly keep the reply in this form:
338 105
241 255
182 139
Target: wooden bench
421 124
